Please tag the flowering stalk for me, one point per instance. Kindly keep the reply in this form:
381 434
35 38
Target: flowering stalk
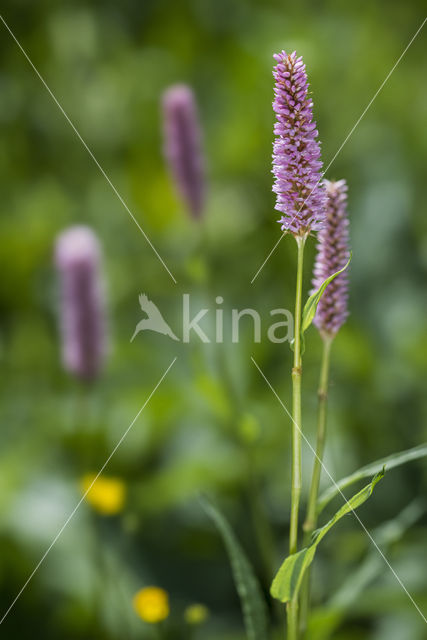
311 517
333 254
296 476
296 405
77 257
301 199
182 146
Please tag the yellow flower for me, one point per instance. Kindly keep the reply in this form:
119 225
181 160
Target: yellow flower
151 604
196 614
107 495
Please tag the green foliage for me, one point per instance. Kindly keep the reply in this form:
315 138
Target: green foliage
288 580
392 461
108 63
310 306
248 588
324 621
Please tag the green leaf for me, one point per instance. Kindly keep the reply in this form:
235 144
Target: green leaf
394 460
310 306
248 588
289 578
367 570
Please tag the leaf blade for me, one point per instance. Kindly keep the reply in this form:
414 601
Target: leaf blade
390 462
288 580
310 306
253 603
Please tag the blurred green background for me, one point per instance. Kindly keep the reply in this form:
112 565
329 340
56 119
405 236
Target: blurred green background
213 425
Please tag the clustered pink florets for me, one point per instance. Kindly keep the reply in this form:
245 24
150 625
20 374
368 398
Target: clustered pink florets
333 254
77 257
296 154
182 145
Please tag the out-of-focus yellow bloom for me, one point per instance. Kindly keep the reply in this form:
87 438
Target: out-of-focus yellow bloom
107 495
151 604
196 614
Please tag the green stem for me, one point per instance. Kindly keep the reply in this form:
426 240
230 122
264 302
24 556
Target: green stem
292 608
296 405
311 516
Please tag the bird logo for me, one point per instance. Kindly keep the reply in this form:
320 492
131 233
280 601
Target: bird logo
154 321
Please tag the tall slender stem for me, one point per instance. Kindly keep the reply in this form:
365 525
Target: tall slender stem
296 405
311 516
292 608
